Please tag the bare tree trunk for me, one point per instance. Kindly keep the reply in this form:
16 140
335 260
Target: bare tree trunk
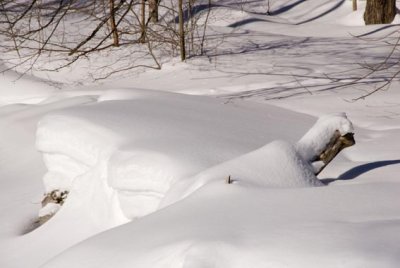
181 31
203 38
354 5
153 10
143 22
192 26
113 25
379 11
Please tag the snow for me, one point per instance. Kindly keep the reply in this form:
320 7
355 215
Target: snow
146 162
13 89
147 143
315 140
276 165
49 209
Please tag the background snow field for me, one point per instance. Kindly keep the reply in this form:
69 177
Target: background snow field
145 155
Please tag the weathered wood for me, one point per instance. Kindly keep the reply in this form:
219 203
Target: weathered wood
56 197
336 144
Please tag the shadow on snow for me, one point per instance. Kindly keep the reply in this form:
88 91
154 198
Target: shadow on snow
361 169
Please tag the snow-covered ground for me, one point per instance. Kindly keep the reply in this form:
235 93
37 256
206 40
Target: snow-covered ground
146 166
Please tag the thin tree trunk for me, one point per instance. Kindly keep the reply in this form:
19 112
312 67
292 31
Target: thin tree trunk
203 38
113 25
354 5
181 31
192 26
153 10
143 22
379 11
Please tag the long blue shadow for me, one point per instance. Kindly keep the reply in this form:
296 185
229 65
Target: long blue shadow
379 29
339 4
361 169
246 21
286 8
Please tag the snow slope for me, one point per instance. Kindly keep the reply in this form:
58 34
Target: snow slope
125 152
235 226
140 147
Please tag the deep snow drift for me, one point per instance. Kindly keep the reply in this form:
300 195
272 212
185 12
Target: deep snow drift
140 147
146 170
124 156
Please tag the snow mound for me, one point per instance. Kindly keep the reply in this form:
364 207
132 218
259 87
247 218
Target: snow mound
121 160
132 151
275 165
15 88
314 141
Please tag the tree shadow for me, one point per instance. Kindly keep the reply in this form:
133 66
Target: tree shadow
304 79
199 8
247 21
361 169
380 29
339 4
286 8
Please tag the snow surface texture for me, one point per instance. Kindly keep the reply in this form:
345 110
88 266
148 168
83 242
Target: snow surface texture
141 177
315 140
287 59
137 155
277 164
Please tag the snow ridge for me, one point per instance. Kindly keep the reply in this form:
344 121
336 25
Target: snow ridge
138 173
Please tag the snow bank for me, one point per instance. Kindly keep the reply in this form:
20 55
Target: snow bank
25 89
138 148
125 173
234 226
70 147
275 165
135 151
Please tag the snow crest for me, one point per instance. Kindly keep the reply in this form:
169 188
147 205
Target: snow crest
315 140
123 160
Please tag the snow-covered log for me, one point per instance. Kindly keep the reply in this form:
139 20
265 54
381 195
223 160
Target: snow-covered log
336 144
329 135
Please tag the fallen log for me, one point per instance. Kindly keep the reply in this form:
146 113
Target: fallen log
336 144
